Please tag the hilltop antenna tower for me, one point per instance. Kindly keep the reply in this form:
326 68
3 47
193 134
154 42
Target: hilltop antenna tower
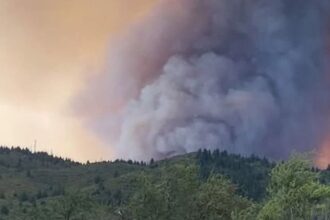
35 146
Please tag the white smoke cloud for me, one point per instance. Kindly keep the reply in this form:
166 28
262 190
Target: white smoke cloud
245 76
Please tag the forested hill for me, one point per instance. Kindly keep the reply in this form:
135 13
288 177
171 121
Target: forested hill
23 158
41 186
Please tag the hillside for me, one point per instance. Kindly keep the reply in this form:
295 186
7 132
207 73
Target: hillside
32 185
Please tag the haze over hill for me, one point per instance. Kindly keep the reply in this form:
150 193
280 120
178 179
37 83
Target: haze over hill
142 79
243 76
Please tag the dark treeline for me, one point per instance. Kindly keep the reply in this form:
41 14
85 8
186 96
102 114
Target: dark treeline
251 174
17 157
47 159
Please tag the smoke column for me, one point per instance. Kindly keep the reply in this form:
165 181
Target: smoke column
247 76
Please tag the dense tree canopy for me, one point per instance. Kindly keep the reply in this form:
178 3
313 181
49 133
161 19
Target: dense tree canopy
201 186
295 192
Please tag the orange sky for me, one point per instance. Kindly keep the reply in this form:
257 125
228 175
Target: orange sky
47 48
323 155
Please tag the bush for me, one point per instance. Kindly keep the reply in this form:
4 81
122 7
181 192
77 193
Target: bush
97 180
4 210
23 197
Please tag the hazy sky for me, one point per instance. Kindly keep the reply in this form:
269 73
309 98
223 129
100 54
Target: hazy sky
47 49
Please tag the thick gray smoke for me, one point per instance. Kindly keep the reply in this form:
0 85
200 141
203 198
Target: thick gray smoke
247 76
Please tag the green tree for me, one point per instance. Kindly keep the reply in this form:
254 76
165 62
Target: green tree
73 205
148 202
40 213
179 185
217 199
167 198
23 197
4 210
294 192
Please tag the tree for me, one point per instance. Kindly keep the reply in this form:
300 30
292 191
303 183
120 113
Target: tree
72 205
116 174
167 198
28 174
118 197
152 163
179 185
23 197
217 199
98 179
294 192
4 210
148 202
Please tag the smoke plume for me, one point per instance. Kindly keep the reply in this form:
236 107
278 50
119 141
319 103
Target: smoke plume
247 76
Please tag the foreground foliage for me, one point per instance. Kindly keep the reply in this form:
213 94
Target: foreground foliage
296 193
202 186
